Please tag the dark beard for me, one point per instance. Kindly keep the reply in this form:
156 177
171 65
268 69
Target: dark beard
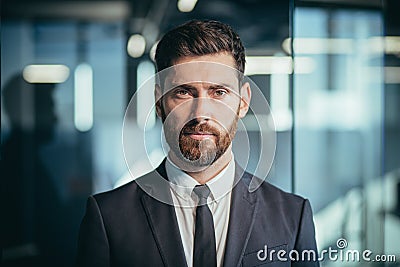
202 152
199 153
205 152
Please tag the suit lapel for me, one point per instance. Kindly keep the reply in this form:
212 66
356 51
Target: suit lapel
164 225
241 220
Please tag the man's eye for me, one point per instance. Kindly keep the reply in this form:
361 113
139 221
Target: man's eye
182 92
220 92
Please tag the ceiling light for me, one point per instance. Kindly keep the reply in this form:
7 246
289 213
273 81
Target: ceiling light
45 73
136 45
278 65
153 52
83 98
186 5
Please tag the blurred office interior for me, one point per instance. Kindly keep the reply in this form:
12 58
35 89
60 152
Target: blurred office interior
330 70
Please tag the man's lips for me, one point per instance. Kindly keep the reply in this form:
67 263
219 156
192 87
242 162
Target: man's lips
199 135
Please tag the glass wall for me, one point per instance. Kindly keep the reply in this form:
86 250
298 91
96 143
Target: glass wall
339 127
61 118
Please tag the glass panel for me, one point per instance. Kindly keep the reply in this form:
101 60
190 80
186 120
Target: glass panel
338 119
48 159
391 132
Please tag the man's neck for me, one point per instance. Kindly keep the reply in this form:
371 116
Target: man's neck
213 170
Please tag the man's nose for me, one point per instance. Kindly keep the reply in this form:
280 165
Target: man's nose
201 108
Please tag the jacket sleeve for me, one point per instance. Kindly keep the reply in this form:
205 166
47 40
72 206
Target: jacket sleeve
93 247
305 242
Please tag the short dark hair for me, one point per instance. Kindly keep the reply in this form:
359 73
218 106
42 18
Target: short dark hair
199 38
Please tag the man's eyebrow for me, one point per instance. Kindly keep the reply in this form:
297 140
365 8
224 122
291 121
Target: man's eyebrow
224 86
212 86
185 86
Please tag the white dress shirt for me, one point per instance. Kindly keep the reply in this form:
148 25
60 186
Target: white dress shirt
219 203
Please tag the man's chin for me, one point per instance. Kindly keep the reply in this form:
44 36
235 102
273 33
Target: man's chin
203 160
189 162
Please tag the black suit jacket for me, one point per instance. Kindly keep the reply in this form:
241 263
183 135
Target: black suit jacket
128 227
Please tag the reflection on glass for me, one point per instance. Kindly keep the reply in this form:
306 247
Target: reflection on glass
83 112
338 111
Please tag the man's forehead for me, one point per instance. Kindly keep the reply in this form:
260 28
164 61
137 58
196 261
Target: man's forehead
201 72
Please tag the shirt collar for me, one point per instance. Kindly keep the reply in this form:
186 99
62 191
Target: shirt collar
183 184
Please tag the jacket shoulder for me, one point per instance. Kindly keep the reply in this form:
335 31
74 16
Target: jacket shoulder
118 196
279 195
277 200
270 192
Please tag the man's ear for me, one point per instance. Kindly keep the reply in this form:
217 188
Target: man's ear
158 98
245 98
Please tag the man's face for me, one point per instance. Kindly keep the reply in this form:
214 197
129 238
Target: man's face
200 107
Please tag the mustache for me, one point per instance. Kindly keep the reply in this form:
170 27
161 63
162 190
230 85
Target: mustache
194 126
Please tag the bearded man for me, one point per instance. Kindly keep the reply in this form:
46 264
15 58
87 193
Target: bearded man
196 208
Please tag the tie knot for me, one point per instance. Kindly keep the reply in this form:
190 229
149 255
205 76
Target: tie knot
202 192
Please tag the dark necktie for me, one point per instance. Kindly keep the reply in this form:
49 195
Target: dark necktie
204 250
